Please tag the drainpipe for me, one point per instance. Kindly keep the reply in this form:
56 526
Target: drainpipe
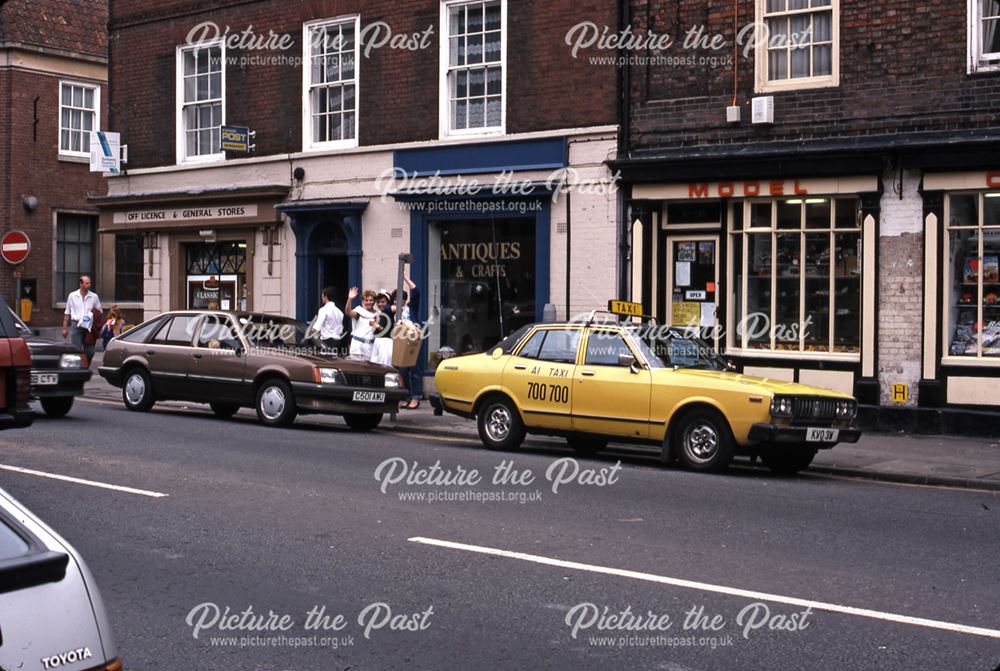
625 130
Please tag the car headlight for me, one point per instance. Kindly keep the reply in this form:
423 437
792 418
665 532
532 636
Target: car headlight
847 409
781 406
71 361
330 376
392 380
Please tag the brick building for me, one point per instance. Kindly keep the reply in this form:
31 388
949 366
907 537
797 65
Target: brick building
440 128
53 91
822 184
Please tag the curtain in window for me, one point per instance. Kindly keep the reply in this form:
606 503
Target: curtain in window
991 19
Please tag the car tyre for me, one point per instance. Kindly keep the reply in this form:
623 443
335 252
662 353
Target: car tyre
788 460
359 422
224 410
702 441
500 425
275 403
57 406
137 390
586 445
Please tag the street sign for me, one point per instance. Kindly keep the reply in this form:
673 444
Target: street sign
105 152
900 393
15 247
625 308
236 138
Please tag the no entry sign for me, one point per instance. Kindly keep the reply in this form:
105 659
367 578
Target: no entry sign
15 247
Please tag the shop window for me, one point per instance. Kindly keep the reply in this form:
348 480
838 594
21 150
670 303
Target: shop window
201 110
797 44
482 281
972 277
331 84
128 267
797 276
79 114
474 67
984 35
74 252
216 275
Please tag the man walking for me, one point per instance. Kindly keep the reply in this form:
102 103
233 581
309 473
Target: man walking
329 322
79 316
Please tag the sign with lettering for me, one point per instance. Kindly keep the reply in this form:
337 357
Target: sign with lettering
626 308
900 393
105 152
198 213
746 189
235 138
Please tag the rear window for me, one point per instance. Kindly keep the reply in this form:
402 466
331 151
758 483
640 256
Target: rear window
508 344
141 332
11 543
178 331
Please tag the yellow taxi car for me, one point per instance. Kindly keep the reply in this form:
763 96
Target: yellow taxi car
599 381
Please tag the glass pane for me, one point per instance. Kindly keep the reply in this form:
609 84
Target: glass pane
77 96
786 315
336 98
85 141
347 38
991 36
76 142
533 346
789 214
822 60
460 115
560 346
736 223
88 98
964 293
493 16
65 118
775 5
820 3
347 66
76 119
848 214
475 18
822 27
991 292
493 47
201 88
65 94
798 4
348 126
494 112
477 113
88 122
817 317
477 82
475 48
215 86
991 210
461 84
963 210
800 63
11 544
64 141
204 116
188 63
818 214
847 292
603 349
494 81
457 51
760 215
757 321
348 102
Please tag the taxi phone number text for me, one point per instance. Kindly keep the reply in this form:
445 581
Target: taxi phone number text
556 393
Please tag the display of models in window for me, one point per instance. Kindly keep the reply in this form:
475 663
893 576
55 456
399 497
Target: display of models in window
798 283
974 269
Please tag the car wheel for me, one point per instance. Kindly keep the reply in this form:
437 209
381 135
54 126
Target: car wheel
137 392
500 425
275 403
57 406
585 445
788 460
363 422
702 441
224 410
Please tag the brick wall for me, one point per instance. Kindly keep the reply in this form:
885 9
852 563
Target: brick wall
902 69
36 170
398 89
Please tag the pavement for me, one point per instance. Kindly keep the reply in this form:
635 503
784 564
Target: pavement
945 461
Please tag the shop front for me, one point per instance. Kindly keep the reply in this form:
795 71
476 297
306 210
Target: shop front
199 251
961 330
779 274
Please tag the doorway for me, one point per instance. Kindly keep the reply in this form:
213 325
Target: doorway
692 284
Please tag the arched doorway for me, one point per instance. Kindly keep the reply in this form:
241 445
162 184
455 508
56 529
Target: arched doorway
329 245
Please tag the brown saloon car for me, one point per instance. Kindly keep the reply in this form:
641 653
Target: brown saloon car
233 360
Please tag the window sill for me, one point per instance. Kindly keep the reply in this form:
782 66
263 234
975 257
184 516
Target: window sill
984 69
971 361
791 85
473 134
330 146
74 158
853 357
202 160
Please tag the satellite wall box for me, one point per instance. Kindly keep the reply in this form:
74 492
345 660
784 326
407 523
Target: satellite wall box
763 110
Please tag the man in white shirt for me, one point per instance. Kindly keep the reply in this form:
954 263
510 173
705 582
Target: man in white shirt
78 318
329 322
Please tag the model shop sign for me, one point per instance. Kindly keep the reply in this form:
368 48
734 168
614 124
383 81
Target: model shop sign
185 214
15 247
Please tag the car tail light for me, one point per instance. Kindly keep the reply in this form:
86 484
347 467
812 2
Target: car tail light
23 386
114 665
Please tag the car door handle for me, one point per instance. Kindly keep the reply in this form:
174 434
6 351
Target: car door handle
588 373
150 352
197 355
520 367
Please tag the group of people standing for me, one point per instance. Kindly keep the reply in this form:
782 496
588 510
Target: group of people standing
84 321
371 329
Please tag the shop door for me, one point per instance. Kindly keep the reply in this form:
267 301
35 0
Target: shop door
213 292
692 283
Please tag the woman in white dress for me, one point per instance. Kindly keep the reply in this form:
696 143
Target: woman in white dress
363 321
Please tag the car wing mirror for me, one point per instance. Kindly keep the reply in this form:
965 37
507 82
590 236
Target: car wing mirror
628 361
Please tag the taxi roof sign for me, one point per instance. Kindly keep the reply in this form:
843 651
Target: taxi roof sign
626 308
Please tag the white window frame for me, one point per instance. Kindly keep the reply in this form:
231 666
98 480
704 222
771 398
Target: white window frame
738 343
181 139
308 144
761 60
444 111
977 61
96 112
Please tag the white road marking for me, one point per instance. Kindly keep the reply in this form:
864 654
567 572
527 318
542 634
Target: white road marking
80 481
718 589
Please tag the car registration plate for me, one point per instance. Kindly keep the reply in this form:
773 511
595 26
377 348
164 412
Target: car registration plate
822 435
40 379
369 397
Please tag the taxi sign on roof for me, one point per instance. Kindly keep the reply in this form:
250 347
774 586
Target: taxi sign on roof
625 308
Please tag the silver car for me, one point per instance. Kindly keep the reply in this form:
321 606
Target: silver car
51 614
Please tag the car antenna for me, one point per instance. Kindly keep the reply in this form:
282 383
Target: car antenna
499 295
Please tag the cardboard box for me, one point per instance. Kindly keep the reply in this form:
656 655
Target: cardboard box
406 341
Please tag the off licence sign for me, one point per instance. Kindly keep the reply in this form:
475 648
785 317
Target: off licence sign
625 308
15 247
